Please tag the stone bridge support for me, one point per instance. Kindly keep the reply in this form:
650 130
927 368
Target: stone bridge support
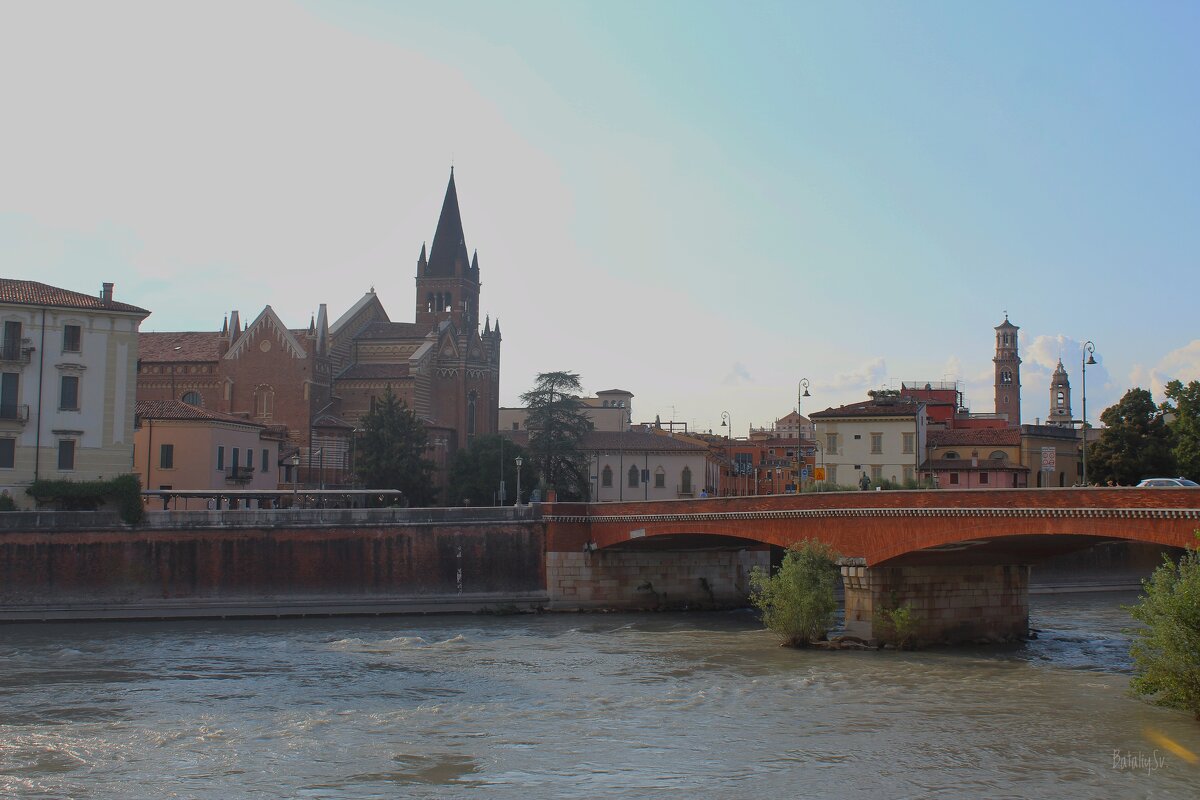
634 580
954 604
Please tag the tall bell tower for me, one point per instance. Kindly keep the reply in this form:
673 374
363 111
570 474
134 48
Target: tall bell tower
1060 398
448 280
1008 373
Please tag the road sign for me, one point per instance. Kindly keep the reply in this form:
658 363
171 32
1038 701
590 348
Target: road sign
819 473
804 472
1048 456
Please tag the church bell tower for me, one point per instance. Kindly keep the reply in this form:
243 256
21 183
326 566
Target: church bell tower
1060 398
448 280
1008 373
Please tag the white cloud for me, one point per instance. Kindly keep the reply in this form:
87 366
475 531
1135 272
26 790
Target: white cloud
868 375
737 375
1180 364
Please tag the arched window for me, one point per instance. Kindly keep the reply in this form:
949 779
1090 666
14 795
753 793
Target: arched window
264 401
633 477
446 304
193 399
471 397
951 454
429 302
685 481
1062 399
998 455
606 476
660 478
1005 376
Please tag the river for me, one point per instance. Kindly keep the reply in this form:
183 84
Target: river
576 706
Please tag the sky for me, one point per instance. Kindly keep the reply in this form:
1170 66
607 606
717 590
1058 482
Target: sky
699 202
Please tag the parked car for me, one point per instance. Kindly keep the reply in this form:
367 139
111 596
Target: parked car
1159 483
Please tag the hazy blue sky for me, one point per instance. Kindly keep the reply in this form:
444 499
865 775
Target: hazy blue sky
698 202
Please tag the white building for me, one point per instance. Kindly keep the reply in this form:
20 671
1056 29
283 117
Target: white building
610 410
68 367
883 438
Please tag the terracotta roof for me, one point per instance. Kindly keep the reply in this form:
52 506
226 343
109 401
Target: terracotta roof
179 346
869 408
373 372
393 330
174 409
994 437
628 441
32 293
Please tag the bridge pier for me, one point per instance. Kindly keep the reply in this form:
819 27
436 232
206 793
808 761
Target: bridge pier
950 603
634 580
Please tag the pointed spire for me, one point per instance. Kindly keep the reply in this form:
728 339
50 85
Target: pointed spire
487 325
322 329
422 260
449 245
497 326
312 325
225 326
235 325
475 262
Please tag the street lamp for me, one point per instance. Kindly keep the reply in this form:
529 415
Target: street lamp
295 475
727 422
802 392
1088 350
518 481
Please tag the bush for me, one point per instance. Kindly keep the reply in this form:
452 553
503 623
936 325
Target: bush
798 602
1166 653
6 502
125 492
896 625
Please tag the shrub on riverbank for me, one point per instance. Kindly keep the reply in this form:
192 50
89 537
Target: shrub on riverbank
798 602
1166 653
124 491
896 625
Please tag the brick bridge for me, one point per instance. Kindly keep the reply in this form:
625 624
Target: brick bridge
959 558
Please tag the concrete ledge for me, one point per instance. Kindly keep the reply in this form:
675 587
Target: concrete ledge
215 608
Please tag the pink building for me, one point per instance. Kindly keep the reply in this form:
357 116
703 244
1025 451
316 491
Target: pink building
180 446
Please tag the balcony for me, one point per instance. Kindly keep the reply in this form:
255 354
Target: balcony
239 474
15 351
14 413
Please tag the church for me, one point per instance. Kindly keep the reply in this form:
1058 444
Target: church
312 385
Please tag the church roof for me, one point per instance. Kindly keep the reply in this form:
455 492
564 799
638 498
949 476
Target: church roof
1006 324
167 346
393 330
449 243
373 372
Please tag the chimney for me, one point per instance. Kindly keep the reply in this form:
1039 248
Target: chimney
106 292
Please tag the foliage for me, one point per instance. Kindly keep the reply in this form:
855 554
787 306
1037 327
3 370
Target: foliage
896 625
390 451
798 602
1183 405
1166 653
1134 443
475 472
6 502
888 485
557 425
125 491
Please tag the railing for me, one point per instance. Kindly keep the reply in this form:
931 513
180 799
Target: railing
14 413
239 474
15 350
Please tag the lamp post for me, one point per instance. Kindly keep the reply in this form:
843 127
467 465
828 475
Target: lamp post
801 393
518 481
295 476
500 493
727 422
1088 350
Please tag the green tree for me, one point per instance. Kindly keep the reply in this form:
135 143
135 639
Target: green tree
475 472
798 602
557 425
390 451
1166 652
1134 443
1183 405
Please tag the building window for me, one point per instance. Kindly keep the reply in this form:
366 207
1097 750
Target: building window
606 476
166 456
68 396
686 481
237 452
12 341
951 454
1006 376
471 397
72 339
983 478
876 473
10 383
249 458
998 455
633 477
877 443
910 440
831 444
66 454
8 453
831 473
953 478
266 457
660 478
908 475
1062 399
516 426
221 458
264 401
193 399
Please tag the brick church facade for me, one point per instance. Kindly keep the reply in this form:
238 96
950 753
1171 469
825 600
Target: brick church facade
313 385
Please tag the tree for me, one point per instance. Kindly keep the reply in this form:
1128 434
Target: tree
475 472
1166 652
1134 443
390 451
1183 406
797 602
557 425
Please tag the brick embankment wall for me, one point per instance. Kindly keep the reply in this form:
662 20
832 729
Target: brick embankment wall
47 574
631 580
